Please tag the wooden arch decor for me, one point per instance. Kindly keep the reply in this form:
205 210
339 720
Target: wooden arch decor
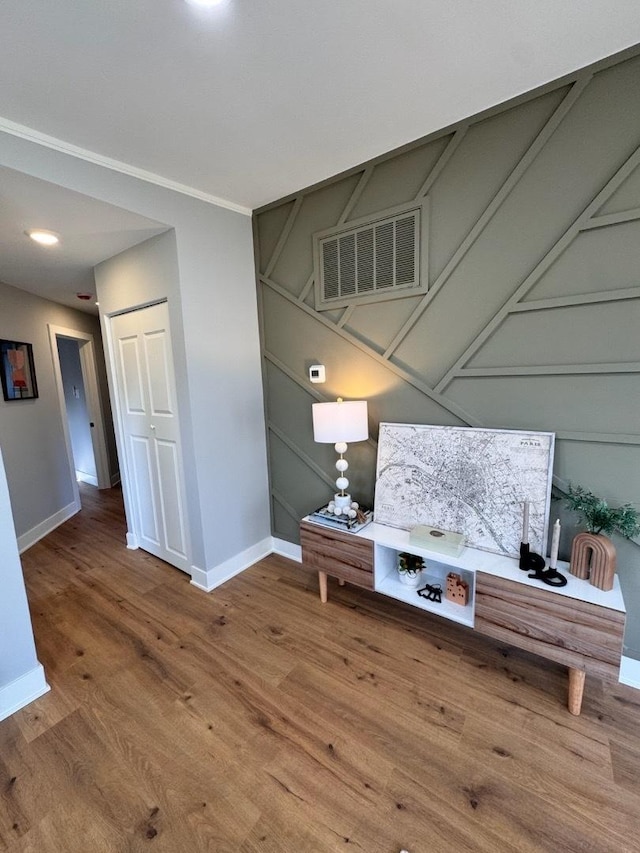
593 557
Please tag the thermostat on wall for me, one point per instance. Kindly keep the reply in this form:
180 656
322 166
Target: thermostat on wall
317 373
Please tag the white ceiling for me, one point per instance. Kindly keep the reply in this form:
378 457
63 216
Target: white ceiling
91 231
257 98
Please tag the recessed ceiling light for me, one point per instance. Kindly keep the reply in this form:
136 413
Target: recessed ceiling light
45 238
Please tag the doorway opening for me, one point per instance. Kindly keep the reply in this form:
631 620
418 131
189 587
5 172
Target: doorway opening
76 378
78 417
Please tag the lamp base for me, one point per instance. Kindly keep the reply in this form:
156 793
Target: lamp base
343 501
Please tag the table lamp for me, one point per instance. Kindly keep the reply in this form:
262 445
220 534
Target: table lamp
340 423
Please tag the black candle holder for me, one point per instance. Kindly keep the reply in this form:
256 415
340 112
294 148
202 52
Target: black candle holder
534 563
529 560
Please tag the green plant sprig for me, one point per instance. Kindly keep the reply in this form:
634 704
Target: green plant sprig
599 517
409 562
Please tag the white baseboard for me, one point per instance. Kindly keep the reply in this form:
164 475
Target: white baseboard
208 579
47 526
115 479
630 672
287 549
81 477
22 690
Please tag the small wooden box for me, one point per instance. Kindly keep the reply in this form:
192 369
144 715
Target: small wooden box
457 590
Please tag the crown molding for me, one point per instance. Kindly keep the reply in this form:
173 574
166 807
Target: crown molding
31 135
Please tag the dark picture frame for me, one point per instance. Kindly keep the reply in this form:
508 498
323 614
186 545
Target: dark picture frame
17 371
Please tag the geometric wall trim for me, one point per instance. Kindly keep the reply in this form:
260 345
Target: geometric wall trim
531 302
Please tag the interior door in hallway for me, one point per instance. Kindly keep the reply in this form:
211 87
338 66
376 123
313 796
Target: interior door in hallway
151 431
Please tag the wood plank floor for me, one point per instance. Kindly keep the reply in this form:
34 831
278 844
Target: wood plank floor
256 719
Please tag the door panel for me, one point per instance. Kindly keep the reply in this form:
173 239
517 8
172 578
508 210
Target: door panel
159 375
168 469
146 387
132 375
141 457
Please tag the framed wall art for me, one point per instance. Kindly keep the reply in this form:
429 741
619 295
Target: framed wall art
467 480
17 371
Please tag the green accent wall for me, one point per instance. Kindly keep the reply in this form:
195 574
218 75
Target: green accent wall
532 315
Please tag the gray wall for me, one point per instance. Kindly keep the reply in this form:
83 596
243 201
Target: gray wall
533 310
139 276
147 273
31 431
21 676
77 412
216 346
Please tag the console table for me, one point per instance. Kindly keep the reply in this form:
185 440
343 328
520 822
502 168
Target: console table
577 625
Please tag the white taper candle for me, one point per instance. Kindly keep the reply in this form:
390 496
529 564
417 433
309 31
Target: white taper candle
555 542
525 523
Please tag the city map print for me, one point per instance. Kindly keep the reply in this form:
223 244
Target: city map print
470 481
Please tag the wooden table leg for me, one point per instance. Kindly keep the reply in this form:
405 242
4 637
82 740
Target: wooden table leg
576 689
322 580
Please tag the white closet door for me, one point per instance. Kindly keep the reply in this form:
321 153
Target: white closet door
147 396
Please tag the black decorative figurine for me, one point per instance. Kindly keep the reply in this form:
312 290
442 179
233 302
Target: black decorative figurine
534 563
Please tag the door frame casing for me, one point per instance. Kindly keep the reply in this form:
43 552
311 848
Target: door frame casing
86 349
114 397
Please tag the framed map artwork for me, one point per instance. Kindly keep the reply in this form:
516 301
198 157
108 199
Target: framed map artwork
471 481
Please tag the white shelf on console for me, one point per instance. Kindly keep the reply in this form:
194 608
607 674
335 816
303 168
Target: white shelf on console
504 567
437 568
472 560
392 587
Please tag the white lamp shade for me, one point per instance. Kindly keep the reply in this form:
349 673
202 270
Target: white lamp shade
341 421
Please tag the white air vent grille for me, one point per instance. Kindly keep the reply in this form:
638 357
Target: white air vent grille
369 261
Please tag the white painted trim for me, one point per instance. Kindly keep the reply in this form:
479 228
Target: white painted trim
89 369
208 579
86 353
199 579
62 406
48 525
28 133
81 477
114 396
287 549
22 690
630 672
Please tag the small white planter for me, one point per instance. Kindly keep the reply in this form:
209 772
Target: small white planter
411 579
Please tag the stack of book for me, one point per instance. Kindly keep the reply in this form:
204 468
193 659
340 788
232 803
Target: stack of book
342 522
